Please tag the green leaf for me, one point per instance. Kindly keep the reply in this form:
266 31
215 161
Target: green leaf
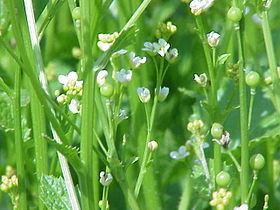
200 184
53 193
71 153
222 59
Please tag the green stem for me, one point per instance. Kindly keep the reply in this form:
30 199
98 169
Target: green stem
234 161
255 178
243 120
19 149
105 197
186 195
211 70
271 58
252 96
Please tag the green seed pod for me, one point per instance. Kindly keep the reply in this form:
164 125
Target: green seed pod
252 79
222 179
76 13
257 162
234 14
107 90
217 130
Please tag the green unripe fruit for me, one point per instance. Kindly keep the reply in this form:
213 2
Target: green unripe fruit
217 130
107 90
257 162
222 179
76 13
252 79
234 14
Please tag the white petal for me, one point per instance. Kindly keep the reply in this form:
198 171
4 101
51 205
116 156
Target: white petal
72 76
73 106
62 79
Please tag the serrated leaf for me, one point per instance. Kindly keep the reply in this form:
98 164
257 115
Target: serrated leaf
222 59
200 184
71 153
53 193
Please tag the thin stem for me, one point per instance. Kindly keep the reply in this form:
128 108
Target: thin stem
186 195
211 70
19 149
205 166
271 58
255 178
236 163
105 197
252 96
243 120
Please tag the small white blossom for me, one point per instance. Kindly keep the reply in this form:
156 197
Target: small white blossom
162 47
172 55
149 48
101 77
105 179
119 53
144 94
180 154
74 106
213 39
61 99
163 93
136 61
242 207
201 79
104 46
124 76
71 77
199 6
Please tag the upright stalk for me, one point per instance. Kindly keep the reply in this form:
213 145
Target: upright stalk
243 119
19 149
211 70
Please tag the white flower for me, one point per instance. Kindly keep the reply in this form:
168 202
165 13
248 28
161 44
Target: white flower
171 55
101 77
119 53
213 39
242 207
149 48
104 46
144 94
124 76
106 40
163 93
61 99
201 79
162 47
136 61
74 106
105 179
71 77
180 154
199 6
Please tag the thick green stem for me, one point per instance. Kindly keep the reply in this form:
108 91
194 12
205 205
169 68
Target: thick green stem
243 119
19 149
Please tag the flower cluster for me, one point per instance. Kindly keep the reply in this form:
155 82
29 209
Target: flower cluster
233 71
220 199
10 185
196 126
106 40
161 47
165 30
73 91
200 6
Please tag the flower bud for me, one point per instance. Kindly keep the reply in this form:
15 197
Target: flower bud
144 94
163 93
201 79
213 39
171 55
105 179
124 76
152 146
